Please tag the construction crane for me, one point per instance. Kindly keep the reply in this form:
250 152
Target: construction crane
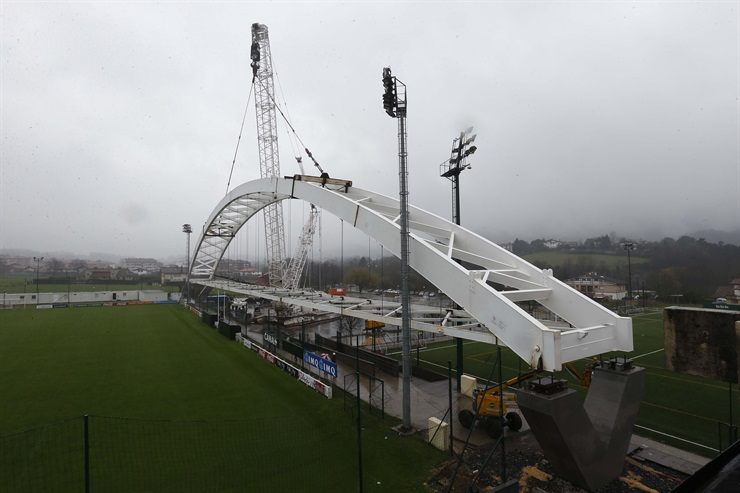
267 143
292 276
264 100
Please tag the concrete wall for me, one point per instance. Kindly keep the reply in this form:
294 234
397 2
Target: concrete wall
702 342
29 299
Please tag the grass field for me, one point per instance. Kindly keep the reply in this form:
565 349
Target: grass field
681 405
229 421
557 259
25 284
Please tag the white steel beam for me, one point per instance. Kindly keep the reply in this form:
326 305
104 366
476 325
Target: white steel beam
592 330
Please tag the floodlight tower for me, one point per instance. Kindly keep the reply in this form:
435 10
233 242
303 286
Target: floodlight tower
187 229
629 246
451 169
394 102
38 262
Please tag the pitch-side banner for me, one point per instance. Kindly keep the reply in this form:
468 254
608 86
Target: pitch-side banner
291 370
321 362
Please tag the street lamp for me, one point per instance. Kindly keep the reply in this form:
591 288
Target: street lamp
38 261
187 229
629 246
451 169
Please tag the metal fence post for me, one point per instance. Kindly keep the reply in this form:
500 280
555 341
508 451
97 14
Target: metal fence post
86 450
449 398
359 435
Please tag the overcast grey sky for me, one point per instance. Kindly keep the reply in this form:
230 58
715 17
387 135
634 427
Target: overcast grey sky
119 120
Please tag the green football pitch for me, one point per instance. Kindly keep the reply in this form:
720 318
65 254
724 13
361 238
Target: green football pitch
677 409
174 406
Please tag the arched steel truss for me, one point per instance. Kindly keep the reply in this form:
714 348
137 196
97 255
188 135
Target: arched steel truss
488 293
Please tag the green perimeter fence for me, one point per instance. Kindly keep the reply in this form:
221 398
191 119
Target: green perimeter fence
109 454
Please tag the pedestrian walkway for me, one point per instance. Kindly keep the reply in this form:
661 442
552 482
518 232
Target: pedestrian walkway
431 399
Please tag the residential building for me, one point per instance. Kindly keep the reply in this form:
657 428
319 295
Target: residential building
598 287
730 292
173 274
141 266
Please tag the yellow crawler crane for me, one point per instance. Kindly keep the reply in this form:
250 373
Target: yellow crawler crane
487 403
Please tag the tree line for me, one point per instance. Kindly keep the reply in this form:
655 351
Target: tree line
688 266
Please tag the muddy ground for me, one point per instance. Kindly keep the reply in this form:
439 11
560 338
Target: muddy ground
525 463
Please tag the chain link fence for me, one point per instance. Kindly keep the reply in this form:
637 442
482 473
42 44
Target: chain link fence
127 455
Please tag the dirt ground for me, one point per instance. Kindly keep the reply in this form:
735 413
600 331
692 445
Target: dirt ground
525 462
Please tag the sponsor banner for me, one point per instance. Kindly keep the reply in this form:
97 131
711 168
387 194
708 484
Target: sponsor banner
722 306
321 362
270 338
291 370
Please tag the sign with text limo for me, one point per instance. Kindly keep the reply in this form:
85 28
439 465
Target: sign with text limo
322 363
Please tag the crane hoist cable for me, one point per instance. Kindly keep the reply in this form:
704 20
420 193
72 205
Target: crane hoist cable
239 139
305 148
293 143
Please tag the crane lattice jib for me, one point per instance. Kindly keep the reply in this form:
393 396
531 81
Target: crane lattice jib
267 143
292 276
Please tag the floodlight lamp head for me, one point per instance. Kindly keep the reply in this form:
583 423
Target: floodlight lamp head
390 102
186 228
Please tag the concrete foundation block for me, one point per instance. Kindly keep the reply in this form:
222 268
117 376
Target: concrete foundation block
438 433
586 442
467 385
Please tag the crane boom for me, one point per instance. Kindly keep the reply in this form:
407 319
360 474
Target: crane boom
267 142
292 276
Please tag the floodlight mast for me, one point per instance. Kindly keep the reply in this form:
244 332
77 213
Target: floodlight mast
394 103
451 170
187 229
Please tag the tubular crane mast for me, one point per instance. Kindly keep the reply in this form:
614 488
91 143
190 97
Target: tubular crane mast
267 142
292 276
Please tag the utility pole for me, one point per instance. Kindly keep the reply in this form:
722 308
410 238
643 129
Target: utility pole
38 261
187 229
451 169
394 103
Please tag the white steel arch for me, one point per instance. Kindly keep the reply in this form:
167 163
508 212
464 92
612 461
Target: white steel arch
488 293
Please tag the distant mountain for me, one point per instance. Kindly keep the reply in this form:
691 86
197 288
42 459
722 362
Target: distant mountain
715 236
62 255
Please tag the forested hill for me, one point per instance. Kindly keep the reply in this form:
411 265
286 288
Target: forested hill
689 266
692 267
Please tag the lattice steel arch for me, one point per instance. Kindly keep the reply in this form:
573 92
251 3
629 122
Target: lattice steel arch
488 293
